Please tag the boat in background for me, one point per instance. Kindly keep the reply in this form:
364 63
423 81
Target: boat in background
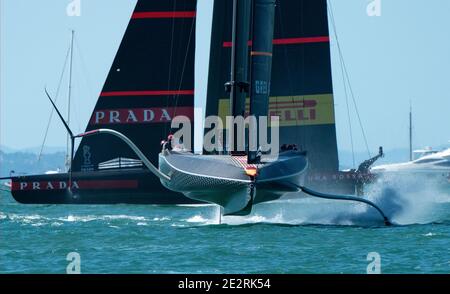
423 152
431 163
151 80
423 162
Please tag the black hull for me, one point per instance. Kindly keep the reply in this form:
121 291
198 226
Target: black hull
103 187
148 188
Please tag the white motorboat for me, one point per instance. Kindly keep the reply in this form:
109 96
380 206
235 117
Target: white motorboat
430 162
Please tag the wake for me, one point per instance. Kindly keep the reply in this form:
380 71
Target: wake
406 200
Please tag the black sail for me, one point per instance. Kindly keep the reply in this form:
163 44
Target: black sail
301 90
150 81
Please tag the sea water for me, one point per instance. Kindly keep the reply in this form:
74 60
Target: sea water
304 235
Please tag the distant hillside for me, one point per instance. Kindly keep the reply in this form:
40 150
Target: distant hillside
36 150
6 149
26 163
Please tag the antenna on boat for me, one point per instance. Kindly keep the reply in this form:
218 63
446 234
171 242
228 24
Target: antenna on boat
68 161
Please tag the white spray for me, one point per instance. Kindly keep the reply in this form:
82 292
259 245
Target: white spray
405 199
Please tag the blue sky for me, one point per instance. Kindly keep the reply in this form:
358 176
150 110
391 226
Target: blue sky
401 56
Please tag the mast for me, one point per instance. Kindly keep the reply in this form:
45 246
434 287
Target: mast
410 135
301 87
261 64
68 144
238 85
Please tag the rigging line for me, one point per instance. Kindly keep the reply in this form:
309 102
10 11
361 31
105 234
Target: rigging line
341 56
76 92
84 68
85 73
347 106
179 46
78 71
348 116
170 62
53 110
357 112
184 67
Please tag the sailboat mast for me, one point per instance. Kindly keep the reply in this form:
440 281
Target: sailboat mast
68 144
410 135
238 86
261 65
